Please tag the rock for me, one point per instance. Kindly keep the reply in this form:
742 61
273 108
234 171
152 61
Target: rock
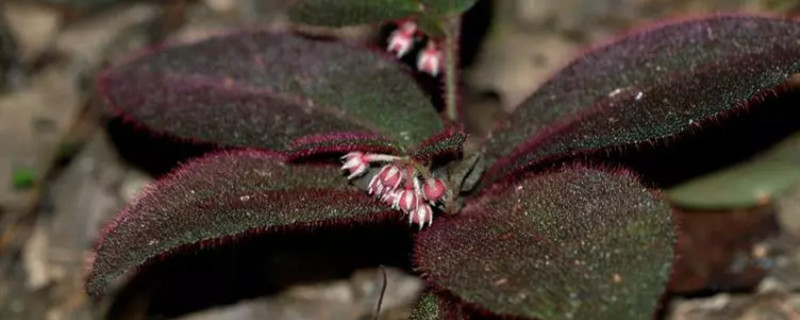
725 250
402 289
83 200
11 70
133 182
788 210
222 6
774 305
531 39
79 201
32 124
98 40
34 121
34 257
514 63
34 26
785 275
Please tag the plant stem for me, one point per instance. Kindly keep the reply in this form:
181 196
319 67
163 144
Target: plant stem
452 28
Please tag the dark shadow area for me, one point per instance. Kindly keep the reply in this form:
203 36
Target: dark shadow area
475 25
194 280
154 154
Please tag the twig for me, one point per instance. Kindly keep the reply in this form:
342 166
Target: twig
383 292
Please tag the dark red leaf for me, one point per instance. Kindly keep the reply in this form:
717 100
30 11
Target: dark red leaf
342 142
576 244
338 13
220 197
648 85
264 90
448 142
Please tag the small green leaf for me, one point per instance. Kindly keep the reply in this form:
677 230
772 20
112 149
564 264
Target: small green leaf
23 178
744 185
576 244
647 86
222 196
337 13
265 90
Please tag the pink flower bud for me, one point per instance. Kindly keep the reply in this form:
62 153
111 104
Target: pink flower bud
387 180
390 197
406 201
402 39
433 189
430 59
356 163
390 178
375 186
423 214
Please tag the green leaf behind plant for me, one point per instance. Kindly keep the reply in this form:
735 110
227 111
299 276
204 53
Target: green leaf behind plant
744 185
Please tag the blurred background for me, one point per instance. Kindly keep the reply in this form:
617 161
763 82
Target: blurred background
67 166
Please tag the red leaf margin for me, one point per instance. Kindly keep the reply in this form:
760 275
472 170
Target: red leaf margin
296 149
96 286
505 166
476 207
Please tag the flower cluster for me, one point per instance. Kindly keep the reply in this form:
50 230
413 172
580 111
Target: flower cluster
398 184
401 41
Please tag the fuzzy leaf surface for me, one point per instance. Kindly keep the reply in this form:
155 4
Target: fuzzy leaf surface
648 85
448 142
433 307
220 197
576 244
264 90
337 13
744 185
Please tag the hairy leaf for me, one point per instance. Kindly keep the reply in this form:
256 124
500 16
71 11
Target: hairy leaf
351 12
744 185
265 90
223 196
576 244
448 142
341 142
648 85
337 13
